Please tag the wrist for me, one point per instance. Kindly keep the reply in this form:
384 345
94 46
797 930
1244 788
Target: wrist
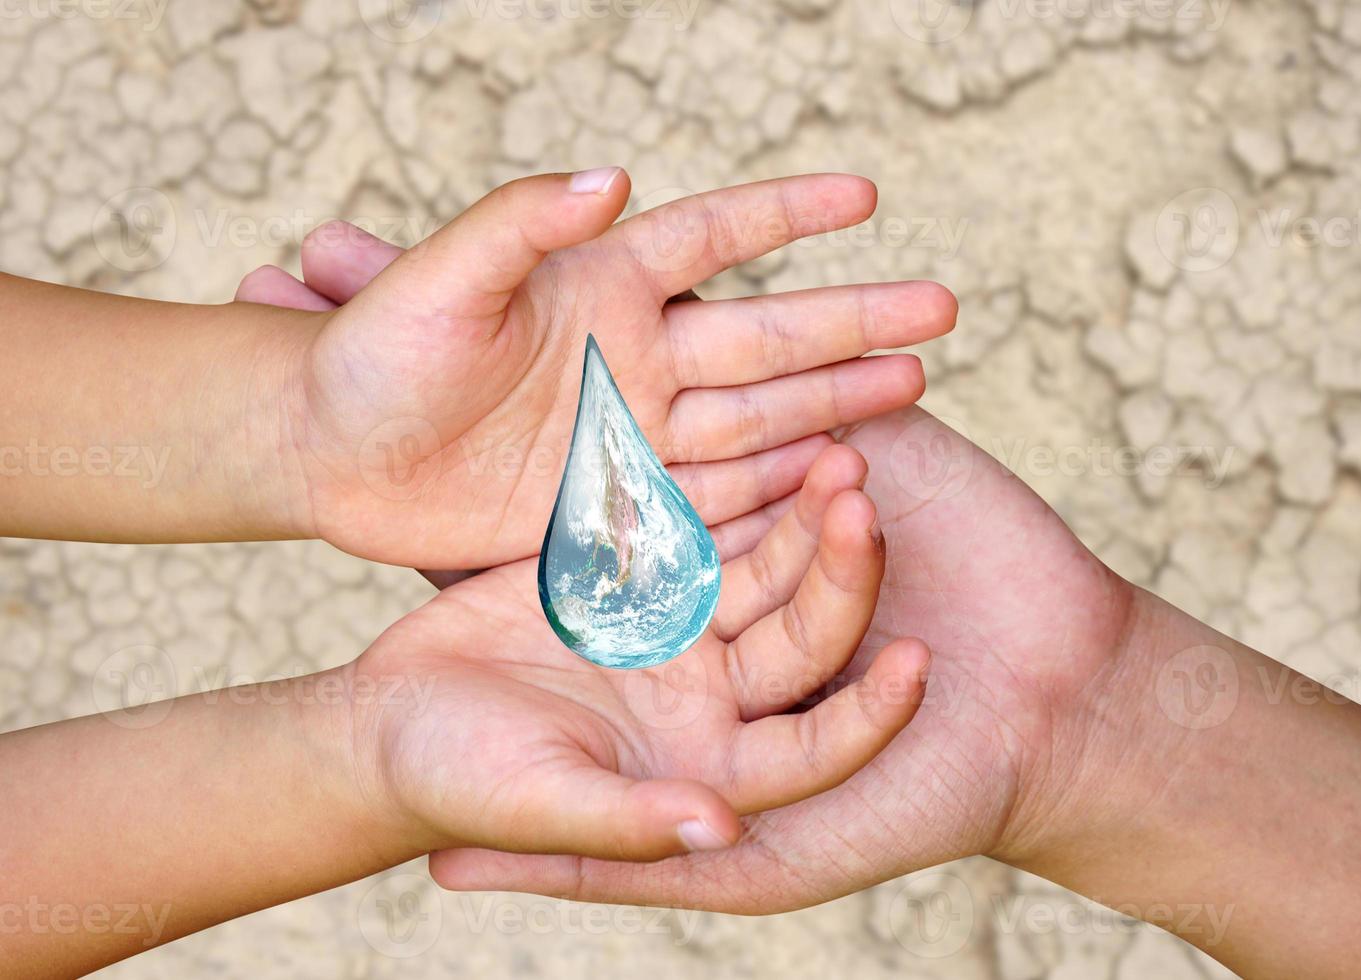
339 726
1182 795
251 439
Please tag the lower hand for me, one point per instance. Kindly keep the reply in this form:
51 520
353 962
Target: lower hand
522 746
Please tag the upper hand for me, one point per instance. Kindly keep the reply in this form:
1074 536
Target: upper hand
433 410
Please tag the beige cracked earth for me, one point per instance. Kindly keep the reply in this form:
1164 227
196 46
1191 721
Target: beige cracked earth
1149 211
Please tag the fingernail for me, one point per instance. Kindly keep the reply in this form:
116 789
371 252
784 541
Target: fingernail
595 181
697 835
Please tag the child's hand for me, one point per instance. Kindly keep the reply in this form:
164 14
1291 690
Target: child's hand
433 411
522 746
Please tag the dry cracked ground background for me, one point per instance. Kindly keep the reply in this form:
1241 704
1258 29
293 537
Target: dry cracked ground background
1148 208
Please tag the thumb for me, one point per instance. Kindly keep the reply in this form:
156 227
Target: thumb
607 815
468 269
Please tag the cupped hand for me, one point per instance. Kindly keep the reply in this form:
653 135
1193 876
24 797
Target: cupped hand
522 746
1024 624
432 410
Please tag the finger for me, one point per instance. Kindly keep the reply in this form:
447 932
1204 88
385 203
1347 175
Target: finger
738 536
785 758
273 286
730 488
736 880
764 579
339 259
685 242
796 649
723 423
598 813
466 271
737 341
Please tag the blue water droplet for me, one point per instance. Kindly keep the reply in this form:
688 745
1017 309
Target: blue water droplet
628 574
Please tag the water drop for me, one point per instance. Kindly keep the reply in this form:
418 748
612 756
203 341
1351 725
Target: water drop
628 574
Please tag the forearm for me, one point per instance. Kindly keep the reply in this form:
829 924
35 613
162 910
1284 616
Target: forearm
1218 794
116 838
132 420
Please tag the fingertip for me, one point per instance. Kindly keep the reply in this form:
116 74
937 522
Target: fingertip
863 192
938 304
850 520
837 466
601 183
253 283
896 680
684 815
912 656
335 232
270 285
914 374
909 660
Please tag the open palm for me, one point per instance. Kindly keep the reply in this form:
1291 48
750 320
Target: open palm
433 409
523 746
